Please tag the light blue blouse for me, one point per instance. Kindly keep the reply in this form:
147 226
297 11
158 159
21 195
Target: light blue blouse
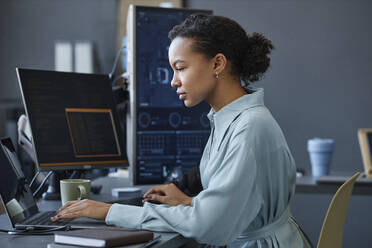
248 177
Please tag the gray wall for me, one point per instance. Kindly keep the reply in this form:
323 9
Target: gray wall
28 30
319 83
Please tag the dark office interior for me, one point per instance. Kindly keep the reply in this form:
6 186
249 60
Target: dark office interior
319 83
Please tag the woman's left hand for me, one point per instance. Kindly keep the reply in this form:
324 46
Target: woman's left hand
168 194
82 208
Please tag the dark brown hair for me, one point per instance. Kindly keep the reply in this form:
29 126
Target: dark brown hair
248 54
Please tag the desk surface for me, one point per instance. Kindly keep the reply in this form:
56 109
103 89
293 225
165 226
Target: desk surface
14 241
38 241
305 184
309 185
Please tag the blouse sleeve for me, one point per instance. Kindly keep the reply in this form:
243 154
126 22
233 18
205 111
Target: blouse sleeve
218 214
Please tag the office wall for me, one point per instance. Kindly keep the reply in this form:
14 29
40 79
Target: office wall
319 85
29 28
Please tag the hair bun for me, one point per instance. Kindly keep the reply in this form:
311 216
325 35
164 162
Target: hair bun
258 61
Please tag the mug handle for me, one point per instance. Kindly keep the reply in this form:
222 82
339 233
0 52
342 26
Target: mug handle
83 192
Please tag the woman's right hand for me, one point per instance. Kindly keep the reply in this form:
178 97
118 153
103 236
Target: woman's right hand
167 194
82 208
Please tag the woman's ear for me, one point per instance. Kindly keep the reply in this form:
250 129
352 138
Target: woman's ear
220 63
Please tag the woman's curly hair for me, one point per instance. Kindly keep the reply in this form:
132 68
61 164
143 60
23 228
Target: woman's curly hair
248 54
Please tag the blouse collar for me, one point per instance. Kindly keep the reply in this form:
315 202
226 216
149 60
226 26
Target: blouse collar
227 114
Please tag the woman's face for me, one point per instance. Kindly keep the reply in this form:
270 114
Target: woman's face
193 73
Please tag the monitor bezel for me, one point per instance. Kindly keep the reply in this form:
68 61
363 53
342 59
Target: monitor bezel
68 165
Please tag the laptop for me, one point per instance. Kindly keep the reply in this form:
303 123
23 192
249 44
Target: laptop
17 198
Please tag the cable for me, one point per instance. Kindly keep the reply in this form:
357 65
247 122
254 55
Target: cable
116 61
73 174
42 183
33 179
33 231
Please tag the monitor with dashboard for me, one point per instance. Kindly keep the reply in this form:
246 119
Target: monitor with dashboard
161 132
73 120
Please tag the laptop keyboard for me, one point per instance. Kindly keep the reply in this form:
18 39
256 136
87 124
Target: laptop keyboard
43 218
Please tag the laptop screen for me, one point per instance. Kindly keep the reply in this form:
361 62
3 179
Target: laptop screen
15 193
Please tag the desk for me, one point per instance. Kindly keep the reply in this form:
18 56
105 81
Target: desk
37 241
308 185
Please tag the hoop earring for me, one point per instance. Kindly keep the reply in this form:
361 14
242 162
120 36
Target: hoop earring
216 74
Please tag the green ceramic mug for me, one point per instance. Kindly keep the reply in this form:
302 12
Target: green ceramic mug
74 189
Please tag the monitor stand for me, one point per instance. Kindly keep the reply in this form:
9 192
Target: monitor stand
53 192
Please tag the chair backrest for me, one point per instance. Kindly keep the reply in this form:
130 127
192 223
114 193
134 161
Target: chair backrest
333 224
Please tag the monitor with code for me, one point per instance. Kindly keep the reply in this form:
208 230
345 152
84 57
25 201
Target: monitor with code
73 120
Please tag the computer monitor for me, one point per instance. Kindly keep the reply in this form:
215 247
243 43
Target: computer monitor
161 132
73 120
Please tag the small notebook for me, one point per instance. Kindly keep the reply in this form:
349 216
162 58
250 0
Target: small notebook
126 192
103 237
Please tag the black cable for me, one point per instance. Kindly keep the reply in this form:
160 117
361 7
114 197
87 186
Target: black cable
73 174
77 174
42 183
47 231
33 179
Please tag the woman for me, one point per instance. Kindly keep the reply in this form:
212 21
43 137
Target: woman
247 171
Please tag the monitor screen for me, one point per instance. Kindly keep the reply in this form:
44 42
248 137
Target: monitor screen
73 120
163 132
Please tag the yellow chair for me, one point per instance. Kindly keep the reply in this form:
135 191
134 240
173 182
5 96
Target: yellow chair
333 224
